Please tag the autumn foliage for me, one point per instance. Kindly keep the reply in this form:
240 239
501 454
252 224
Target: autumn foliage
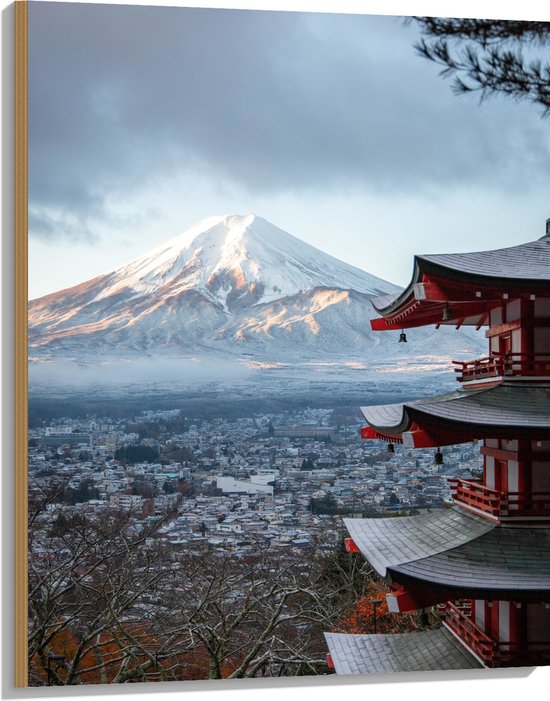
366 616
103 658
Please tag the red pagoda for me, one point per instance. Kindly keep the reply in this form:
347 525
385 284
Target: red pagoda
485 561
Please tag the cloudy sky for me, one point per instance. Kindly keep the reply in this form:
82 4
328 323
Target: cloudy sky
144 120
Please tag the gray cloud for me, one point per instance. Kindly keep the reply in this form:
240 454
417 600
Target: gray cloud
60 223
272 102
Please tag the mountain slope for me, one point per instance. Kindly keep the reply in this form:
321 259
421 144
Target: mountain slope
233 286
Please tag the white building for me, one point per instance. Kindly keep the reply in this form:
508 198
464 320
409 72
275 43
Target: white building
230 485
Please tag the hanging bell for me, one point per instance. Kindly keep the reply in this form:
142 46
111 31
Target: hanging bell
447 313
391 448
438 457
402 337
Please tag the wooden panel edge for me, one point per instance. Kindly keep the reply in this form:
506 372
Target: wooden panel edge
20 341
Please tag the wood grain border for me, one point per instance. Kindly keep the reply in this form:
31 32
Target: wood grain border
20 339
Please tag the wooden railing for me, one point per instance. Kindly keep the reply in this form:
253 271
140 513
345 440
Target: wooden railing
500 504
502 365
472 636
495 653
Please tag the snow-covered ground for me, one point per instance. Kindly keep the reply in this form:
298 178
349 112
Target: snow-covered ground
238 288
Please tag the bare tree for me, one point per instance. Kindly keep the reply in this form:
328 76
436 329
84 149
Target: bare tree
89 579
109 602
261 614
491 57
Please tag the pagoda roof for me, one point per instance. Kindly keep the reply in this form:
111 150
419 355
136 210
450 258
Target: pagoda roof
506 558
388 542
427 650
455 549
465 414
528 261
466 285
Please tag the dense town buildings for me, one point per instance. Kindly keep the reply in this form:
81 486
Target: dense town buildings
282 478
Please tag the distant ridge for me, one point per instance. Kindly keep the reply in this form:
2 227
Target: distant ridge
229 285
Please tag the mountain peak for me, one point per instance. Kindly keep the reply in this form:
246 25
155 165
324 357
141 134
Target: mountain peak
242 255
221 267
229 285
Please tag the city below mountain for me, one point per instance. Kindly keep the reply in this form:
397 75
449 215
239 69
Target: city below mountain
233 287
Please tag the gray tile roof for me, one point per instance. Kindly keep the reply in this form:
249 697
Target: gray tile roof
453 548
380 303
506 558
523 263
398 652
386 542
385 415
512 405
528 261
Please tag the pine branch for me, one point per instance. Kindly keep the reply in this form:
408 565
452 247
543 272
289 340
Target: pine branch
487 57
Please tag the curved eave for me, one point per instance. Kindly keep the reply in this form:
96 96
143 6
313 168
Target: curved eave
456 551
504 560
389 542
386 305
527 263
466 285
516 410
387 419
427 313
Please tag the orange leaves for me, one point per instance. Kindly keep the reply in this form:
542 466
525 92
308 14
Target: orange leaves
370 614
101 660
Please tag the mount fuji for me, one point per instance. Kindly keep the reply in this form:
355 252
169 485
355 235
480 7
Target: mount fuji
233 287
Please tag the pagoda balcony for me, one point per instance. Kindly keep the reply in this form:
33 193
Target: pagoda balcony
494 653
500 505
503 365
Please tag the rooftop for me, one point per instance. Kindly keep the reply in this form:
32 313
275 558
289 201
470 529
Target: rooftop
461 288
528 261
387 542
499 407
398 652
456 549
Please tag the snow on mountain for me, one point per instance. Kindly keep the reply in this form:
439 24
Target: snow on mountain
236 257
232 286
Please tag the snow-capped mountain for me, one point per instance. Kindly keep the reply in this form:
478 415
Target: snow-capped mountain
235 261
232 286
